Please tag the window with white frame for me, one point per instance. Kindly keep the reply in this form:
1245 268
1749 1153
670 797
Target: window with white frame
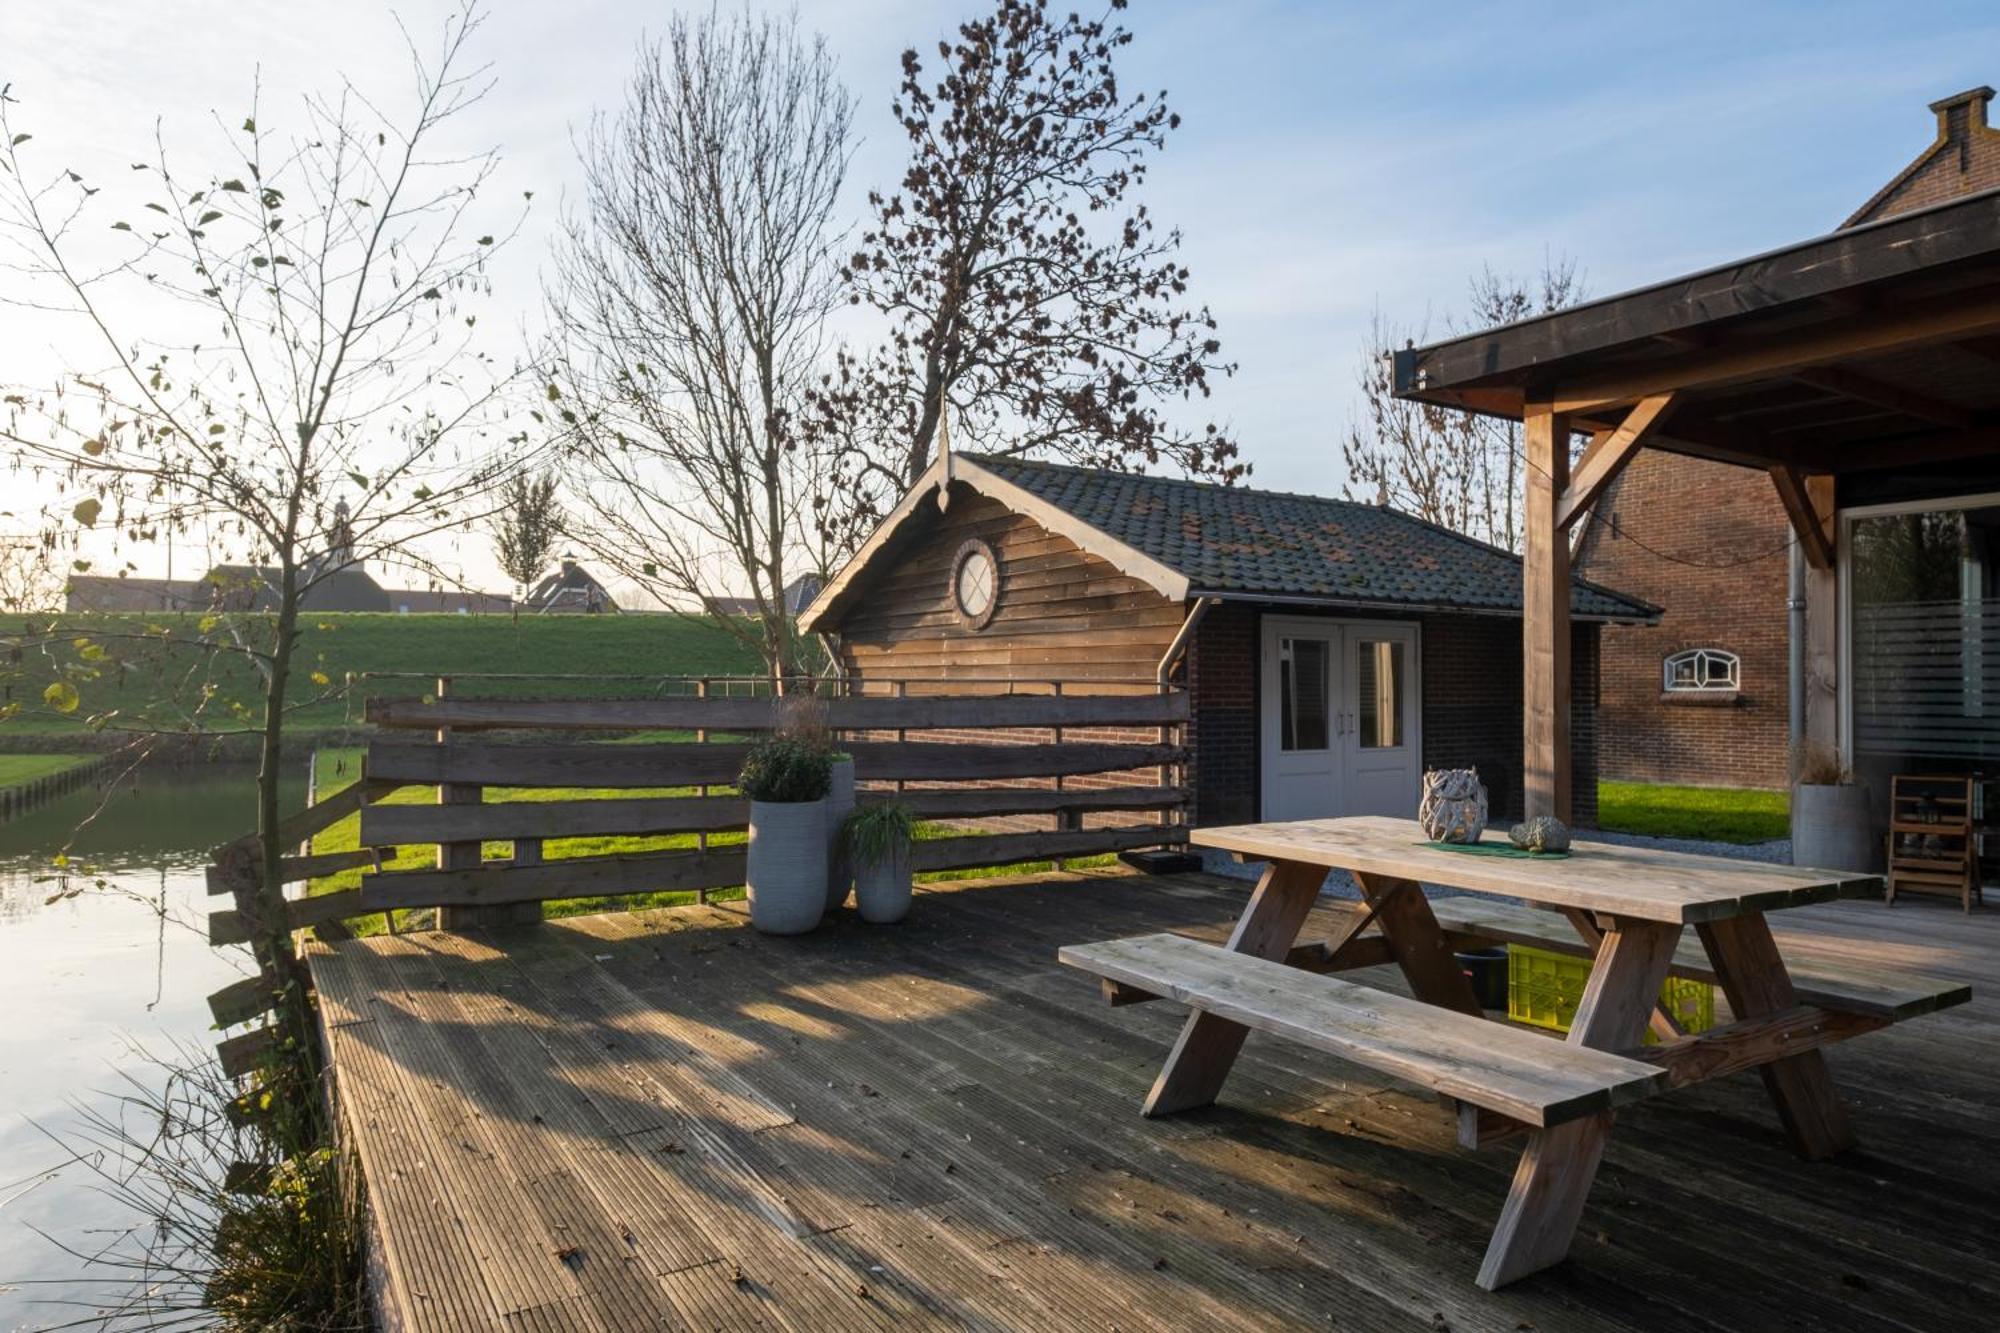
1702 669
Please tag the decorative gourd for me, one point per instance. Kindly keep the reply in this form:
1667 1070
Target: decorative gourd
1453 808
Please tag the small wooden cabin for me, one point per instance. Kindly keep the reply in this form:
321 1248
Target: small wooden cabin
1331 650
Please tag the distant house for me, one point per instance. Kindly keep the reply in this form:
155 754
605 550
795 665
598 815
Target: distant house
798 595
1331 650
348 587
571 590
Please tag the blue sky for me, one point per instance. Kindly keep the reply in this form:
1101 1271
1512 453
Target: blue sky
1335 158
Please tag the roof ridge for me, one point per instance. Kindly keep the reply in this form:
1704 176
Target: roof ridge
1006 460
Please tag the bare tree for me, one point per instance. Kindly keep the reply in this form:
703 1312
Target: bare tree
28 580
1456 469
286 365
527 529
1025 289
689 302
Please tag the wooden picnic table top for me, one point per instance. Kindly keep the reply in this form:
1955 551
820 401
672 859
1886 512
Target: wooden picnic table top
1647 883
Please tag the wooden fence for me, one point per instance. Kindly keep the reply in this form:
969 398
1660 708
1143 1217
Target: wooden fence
1014 764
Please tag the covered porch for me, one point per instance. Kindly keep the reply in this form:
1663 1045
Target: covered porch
1859 375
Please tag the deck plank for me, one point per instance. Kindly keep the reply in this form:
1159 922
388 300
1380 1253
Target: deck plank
935 1125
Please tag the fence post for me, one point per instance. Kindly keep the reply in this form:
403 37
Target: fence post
701 737
466 855
1067 821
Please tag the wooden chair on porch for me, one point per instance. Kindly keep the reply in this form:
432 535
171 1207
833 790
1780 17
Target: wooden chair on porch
1933 844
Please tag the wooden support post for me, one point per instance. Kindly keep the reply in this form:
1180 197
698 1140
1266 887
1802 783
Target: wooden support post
1545 584
1207 1047
1823 627
1753 976
1559 1164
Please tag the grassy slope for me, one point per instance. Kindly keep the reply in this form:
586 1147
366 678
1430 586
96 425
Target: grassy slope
19 768
1720 814
150 682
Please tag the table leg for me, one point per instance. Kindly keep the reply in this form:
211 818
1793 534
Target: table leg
1418 944
1559 1164
1754 978
1207 1047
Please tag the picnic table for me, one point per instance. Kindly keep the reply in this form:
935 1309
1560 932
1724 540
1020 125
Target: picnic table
1625 907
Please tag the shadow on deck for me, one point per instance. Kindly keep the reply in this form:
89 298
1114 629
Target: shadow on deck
664 1120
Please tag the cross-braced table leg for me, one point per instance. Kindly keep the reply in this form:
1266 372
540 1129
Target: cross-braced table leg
1418 944
1208 1046
1754 978
1559 1164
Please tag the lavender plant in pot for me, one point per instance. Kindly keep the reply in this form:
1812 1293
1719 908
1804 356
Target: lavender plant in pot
877 840
786 780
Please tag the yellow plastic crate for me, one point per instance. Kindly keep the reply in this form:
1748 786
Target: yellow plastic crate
1544 989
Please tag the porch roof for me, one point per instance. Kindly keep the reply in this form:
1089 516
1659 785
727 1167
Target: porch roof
1875 347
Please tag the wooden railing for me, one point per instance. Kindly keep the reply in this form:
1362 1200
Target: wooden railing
545 745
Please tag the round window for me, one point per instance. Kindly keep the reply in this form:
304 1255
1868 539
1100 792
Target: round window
975 584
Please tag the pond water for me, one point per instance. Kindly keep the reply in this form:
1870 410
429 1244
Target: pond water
87 982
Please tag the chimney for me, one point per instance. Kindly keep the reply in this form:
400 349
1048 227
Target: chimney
1960 118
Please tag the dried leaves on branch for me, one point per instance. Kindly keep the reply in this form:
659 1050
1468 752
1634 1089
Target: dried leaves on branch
688 307
283 367
1025 288
1456 469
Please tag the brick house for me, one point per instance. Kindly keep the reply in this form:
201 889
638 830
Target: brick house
1331 650
1702 695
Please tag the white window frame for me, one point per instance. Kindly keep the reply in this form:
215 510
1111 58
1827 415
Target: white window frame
1844 595
1731 685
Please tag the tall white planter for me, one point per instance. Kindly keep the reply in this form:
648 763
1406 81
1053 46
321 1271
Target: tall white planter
839 805
882 888
787 865
1832 828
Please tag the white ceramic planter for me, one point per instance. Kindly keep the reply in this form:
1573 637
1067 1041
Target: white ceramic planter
882 888
1832 828
787 866
839 805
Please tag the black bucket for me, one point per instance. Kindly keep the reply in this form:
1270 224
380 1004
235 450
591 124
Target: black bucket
1486 969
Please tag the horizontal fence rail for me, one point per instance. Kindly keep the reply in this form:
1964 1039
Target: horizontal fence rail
955 759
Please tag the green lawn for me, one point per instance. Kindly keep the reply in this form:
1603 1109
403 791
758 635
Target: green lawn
338 767
1720 814
16 769
121 664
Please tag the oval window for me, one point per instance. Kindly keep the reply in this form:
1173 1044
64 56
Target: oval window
975 584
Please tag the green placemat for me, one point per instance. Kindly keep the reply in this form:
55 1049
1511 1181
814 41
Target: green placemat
1494 849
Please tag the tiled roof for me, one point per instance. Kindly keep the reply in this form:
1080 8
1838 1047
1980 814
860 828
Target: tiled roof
1231 540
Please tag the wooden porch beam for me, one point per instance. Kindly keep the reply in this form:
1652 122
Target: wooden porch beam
1918 325
1867 389
1814 529
1607 455
1545 593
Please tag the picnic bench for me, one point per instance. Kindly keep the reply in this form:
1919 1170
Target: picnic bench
1627 908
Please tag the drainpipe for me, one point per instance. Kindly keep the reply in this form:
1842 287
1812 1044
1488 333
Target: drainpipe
1795 612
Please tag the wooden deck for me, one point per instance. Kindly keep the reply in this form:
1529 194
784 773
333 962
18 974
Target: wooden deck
665 1120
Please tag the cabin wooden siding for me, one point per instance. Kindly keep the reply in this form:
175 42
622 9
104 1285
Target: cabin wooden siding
1064 614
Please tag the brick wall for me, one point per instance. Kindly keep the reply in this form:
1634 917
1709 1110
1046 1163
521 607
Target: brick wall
1963 159
1723 587
1471 710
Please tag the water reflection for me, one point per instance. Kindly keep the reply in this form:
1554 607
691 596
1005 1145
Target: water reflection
86 979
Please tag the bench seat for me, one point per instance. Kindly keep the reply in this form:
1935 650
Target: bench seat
1869 991
1507 1070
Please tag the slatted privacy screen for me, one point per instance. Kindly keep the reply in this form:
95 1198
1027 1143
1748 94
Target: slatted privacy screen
1926 679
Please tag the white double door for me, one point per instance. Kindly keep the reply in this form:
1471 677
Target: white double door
1342 709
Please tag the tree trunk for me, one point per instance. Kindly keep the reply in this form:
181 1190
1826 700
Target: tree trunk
271 931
